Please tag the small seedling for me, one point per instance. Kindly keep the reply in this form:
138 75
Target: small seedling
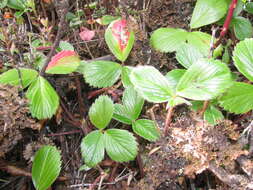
119 144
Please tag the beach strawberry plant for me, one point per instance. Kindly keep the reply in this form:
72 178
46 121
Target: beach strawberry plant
119 144
43 99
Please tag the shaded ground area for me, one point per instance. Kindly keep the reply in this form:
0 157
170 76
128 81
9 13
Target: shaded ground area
193 156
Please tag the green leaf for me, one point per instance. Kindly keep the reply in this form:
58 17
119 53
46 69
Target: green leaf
238 99
121 115
64 45
120 145
174 76
187 55
93 148
176 100
249 7
120 39
200 41
107 19
101 112
12 77
242 27
204 80
168 39
212 115
43 99
46 167
102 73
243 58
226 56
125 76
131 108
207 12
151 84
146 129
63 62
3 3
17 4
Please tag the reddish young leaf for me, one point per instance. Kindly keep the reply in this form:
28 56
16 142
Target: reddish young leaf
86 34
121 33
63 62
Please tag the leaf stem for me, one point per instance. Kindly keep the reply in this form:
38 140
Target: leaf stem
205 106
227 22
168 119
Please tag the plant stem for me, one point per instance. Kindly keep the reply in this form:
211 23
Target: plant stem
168 120
227 22
205 105
63 11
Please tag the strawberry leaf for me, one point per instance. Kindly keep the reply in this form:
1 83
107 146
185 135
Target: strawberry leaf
63 62
119 39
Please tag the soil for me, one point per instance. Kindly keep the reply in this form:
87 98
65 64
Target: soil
193 156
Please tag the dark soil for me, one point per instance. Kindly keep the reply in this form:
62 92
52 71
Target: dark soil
193 156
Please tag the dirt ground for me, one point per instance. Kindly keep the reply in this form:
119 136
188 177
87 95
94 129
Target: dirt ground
194 156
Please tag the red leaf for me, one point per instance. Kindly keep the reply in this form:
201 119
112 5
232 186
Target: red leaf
121 33
86 34
55 59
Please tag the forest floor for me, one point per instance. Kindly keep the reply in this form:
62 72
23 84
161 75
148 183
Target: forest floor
194 156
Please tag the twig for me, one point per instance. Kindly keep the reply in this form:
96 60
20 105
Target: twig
15 171
225 177
64 133
63 11
168 120
227 22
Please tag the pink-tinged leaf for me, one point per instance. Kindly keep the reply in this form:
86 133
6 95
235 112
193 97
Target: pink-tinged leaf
121 33
86 34
119 38
63 62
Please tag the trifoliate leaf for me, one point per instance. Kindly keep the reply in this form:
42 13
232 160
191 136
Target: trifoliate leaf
243 58
204 80
102 73
46 167
187 55
242 27
125 76
12 77
151 84
43 99
63 62
120 39
93 148
131 108
101 112
168 39
207 12
174 76
120 145
146 129
212 115
238 99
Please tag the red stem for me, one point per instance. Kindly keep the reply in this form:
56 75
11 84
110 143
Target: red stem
226 23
